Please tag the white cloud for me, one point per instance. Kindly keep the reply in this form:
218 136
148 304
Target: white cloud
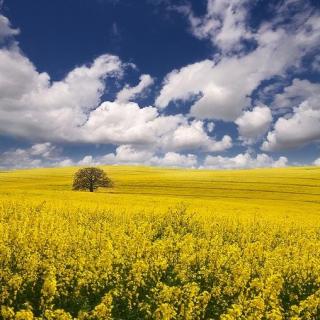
127 154
317 162
243 161
222 88
64 163
224 23
119 123
184 83
302 125
128 93
69 110
210 126
299 91
5 28
48 155
38 155
254 124
192 136
18 77
173 159
45 150
87 161
301 128
35 107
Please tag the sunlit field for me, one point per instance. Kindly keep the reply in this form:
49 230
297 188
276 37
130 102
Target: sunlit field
161 244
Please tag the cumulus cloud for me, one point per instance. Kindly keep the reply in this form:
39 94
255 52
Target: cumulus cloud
296 93
191 136
301 128
317 162
64 163
254 124
210 126
5 29
128 93
173 159
88 160
45 150
38 155
222 87
49 155
70 110
184 83
65 111
33 106
119 123
244 161
301 125
127 154
130 124
224 23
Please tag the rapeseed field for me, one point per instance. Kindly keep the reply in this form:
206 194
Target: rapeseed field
161 244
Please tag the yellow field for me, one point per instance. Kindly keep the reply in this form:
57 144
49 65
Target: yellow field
161 244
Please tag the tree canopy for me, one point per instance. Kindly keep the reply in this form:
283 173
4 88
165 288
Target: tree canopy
90 179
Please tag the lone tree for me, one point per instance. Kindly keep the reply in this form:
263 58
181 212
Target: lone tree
90 179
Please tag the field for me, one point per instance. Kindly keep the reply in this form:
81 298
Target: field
161 244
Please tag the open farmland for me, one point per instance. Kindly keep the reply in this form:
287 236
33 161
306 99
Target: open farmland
161 244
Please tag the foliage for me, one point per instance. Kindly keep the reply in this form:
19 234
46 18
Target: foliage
90 179
127 259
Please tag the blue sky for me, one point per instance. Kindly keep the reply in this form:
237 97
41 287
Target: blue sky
205 84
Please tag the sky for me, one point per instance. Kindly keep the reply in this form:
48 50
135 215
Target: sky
217 84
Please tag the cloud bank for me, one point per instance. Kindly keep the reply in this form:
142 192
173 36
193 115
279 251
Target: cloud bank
253 81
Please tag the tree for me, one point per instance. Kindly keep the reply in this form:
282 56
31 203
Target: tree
90 179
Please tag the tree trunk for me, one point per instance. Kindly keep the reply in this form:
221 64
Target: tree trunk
91 188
